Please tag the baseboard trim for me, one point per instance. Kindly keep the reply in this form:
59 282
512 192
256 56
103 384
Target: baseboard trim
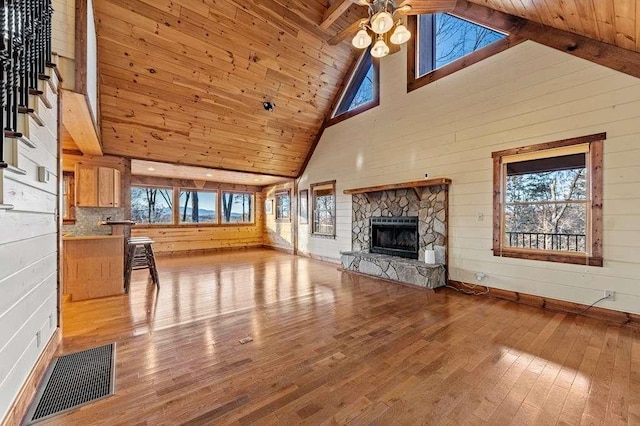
321 258
205 251
556 305
21 404
276 248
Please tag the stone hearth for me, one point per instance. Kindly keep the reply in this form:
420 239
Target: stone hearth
394 268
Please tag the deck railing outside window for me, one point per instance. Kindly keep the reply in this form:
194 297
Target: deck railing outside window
547 241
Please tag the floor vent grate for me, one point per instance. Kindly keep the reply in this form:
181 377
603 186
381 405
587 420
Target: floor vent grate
74 380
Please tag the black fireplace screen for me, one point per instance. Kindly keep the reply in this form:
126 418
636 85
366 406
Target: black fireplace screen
395 236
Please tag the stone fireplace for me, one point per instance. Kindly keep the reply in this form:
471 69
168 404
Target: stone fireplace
392 228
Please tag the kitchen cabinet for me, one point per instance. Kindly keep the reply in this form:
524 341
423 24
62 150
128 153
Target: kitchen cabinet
97 186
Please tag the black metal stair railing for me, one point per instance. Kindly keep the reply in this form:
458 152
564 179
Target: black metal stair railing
25 50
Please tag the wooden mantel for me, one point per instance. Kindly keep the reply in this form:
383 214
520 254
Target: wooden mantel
404 185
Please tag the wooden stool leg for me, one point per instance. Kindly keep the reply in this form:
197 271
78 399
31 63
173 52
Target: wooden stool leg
129 267
151 259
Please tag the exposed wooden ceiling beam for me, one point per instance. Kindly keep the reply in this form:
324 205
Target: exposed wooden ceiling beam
616 58
334 12
78 121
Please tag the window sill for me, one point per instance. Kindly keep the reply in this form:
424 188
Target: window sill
359 110
325 236
548 256
190 225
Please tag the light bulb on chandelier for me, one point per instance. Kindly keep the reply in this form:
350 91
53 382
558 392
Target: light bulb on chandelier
401 35
381 22
362 39
380 49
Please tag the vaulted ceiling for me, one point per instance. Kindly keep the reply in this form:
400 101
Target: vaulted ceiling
183 81
614 22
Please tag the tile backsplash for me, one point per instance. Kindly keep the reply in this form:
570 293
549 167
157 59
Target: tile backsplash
87 219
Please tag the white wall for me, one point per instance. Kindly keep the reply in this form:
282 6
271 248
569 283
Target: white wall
28 256
526 95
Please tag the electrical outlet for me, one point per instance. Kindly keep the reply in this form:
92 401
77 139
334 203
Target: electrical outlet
480 276
610 295
480 217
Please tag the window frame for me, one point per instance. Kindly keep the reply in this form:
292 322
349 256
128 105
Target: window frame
177 220
347 89
278 194
173 208
312 230
414 82
253 207
594 231
175 223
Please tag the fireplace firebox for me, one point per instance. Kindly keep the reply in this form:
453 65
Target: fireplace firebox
395 236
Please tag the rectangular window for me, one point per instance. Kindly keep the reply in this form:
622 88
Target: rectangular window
548 201
237 207
323 196
198 206
283 205
151 205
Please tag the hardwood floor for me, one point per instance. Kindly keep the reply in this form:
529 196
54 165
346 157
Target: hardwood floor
334 348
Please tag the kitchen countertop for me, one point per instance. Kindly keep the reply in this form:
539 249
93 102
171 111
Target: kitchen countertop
91 237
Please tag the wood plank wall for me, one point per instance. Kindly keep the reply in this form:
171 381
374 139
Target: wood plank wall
279 233
525 95
180 238
28 258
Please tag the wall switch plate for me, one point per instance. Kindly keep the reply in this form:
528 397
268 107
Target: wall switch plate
480 217
43 174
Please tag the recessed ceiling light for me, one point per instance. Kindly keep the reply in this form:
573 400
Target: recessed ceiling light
151 169
209 175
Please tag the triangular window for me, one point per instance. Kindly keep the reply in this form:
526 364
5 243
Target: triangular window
444 38
362 91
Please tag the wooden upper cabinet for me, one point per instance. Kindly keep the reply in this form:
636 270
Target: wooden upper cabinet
86 186
105 187
97 186
117 190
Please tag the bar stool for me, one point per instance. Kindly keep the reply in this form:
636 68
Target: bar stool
140 256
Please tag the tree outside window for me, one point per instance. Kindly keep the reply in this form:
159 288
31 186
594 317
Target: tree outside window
548 201
283 205
324 208
151 205
198 206
444 38
237 207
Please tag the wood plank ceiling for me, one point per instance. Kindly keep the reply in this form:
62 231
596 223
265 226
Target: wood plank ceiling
615 22
183 81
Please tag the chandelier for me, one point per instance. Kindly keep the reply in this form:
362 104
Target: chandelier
382 21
